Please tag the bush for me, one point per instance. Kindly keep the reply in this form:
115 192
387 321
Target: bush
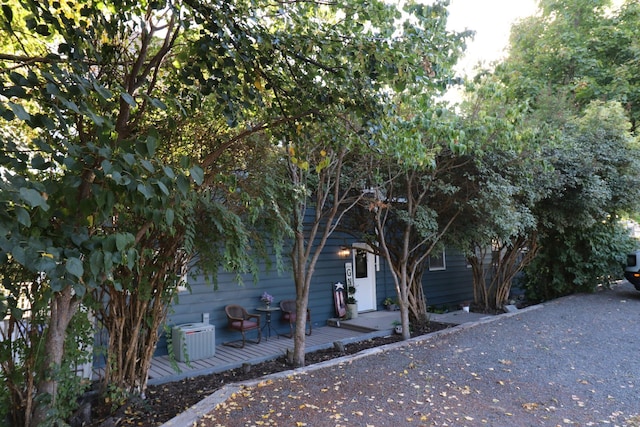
578 260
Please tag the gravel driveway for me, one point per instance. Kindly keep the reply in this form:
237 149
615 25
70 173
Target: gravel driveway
572 361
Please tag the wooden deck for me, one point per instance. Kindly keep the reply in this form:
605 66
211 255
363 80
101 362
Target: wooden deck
367 325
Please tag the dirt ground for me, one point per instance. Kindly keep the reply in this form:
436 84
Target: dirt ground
165 401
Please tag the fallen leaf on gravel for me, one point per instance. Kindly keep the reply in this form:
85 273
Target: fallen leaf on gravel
530 406
633 421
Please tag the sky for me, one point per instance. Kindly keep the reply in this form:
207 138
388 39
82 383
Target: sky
491 20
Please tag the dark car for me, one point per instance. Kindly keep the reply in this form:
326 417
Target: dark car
632 270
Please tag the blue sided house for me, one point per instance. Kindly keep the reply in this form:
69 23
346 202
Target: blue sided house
446 281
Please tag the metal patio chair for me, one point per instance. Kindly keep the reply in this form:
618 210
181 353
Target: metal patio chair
289 314
239 320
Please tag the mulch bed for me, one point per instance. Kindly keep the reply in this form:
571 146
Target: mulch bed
165 401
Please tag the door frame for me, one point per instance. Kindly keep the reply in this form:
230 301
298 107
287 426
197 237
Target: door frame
365 287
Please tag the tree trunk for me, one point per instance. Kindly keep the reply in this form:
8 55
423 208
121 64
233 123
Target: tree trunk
302 277
511 261
63 306
417 302
506 262
299 337
479 274
132 317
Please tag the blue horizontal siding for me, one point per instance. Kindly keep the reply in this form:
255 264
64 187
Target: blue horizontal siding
450 286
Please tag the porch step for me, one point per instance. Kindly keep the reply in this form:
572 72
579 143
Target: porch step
346 324
368 321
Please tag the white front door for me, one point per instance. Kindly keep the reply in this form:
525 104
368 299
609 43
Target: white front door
364 277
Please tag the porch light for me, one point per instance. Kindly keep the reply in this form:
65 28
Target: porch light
344 252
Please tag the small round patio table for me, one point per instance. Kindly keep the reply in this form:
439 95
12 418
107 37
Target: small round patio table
269 329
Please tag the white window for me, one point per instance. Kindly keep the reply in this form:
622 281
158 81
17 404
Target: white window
437 262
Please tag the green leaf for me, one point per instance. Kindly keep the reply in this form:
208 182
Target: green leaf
16 312
52 89
33 198
46 262
132 256
108 261
4 307
79 289
168 172
169 216
8 13
95 262
23 216
152 144
102 91
197 174
74 267
122 241
183 184
163 187
43 30
158 104
6 114
19 254
69 104
107 167
145 191
19 111
129 158
38 162
18 79
57 285
128 99
98 120
148 165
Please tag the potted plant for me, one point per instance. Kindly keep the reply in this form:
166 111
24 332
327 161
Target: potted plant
266 299
352 303
465 306
397 327
390 304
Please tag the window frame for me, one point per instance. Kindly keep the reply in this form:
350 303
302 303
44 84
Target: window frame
442 262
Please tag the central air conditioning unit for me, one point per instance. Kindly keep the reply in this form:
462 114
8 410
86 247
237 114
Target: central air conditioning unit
193 341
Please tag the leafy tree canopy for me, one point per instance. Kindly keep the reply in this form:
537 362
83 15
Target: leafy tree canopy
581 50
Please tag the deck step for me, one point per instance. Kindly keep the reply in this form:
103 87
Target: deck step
345 324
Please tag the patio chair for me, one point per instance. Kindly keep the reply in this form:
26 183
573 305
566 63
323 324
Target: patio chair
239 320
289 314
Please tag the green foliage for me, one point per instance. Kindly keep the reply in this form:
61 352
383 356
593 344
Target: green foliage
351 292
579 51
83 191
133 131
596 181
77 351
560 61
23 348
579 260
